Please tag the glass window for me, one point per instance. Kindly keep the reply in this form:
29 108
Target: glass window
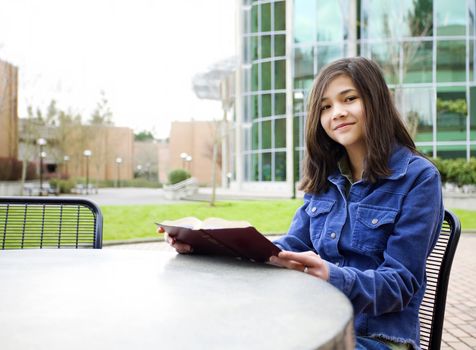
254 77
280 74
417 17
280 171
304 21
303 63
472 19
266 46
266 17
254 47
327 54
266 105
255 108
280 133
380 20
280 104
473 151
330 22
280 15
426 150
472 60
450 61
266 76
387 55
451 151
255 167
472 112
254 135
254 18
450 17
417 62
280 45
246 21
416 106
266 166
266 134
451 109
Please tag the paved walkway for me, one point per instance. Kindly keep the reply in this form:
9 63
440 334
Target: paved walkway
460 318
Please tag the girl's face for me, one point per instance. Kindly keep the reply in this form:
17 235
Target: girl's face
342 113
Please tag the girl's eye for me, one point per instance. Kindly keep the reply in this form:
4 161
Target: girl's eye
351 98
323 108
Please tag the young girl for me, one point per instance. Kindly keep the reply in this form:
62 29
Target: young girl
372 205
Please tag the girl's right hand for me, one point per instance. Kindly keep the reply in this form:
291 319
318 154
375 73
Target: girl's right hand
180 247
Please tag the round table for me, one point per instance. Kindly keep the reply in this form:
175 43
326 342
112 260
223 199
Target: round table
124 299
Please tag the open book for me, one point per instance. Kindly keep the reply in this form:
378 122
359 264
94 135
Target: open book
221 237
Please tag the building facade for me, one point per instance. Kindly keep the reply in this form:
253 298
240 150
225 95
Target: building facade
64 151
194 139
8 110
426 49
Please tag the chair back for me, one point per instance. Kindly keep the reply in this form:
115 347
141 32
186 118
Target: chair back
42 222
438 267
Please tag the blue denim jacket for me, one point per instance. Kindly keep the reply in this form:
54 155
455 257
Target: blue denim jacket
376 241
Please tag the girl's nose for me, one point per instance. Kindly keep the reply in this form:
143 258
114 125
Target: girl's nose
338 113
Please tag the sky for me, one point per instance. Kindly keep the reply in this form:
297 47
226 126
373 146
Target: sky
142 53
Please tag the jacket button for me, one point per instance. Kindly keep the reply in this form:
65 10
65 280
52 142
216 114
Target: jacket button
313 209
337 263
374 221
333 235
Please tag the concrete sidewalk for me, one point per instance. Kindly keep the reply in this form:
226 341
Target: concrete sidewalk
460 317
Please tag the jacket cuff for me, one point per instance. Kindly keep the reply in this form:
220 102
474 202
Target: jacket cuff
340 278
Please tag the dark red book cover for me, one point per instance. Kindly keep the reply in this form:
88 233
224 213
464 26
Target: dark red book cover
242 242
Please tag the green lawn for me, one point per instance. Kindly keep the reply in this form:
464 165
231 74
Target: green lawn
124 222
137 221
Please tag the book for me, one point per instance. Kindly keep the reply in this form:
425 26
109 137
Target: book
221 237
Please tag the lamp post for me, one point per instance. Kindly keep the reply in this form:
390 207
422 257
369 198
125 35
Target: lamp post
41 142
188 159
87 154
66 160
118 162
184 156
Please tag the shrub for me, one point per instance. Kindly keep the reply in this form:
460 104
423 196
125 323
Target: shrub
178 175
457 171
64 186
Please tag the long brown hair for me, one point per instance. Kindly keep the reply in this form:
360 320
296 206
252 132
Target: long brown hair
383 125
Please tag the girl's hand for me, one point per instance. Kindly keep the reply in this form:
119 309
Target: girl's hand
179 247
308 262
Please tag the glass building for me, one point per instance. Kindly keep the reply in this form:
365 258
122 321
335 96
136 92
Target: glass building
426 49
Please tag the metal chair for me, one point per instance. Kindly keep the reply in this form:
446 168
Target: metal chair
438 266
40 222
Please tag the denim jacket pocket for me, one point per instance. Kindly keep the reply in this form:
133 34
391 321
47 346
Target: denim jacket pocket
317 218
372 227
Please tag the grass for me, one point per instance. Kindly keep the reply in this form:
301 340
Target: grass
137 221
467 217
123 222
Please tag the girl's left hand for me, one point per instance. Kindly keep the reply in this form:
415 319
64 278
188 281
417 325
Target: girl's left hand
308 262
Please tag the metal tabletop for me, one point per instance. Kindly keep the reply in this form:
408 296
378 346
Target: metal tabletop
121 299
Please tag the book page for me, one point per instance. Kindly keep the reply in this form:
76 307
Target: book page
188 222
213 223
209 223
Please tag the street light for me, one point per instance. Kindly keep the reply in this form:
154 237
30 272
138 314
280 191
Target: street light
188 159
183 155
87 154
66 160
41 142
118 162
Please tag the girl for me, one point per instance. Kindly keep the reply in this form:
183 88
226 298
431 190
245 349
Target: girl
372 205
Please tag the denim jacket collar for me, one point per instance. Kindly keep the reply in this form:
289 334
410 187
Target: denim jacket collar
398 164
